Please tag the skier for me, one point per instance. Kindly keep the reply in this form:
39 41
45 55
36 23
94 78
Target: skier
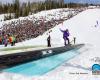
97 22
65 36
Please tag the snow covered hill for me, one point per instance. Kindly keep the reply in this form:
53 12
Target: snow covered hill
55 14
83 26
86 28
48 15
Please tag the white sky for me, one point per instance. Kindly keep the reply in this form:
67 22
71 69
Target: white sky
9 1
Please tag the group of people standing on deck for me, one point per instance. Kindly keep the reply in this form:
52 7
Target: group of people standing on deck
7 39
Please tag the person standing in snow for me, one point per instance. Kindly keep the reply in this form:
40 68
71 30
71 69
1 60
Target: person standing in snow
49 40
0 40
97 23
12 40
5 41
65 36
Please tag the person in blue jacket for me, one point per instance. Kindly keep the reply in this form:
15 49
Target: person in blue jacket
65 36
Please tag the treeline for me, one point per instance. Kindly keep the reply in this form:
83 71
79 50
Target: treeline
24 9
54 4
16 9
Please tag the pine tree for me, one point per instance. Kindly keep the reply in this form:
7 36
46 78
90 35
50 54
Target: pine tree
16 8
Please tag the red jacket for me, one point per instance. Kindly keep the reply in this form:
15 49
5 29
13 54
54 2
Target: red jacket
10 39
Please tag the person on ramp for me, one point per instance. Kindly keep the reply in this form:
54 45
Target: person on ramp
65 36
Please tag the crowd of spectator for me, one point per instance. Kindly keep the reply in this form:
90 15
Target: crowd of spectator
26 29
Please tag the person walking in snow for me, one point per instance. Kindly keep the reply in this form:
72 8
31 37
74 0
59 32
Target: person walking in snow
65 36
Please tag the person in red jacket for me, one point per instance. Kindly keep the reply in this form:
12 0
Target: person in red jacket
0 40
10 40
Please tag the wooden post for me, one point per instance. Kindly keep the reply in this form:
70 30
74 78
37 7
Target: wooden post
74 40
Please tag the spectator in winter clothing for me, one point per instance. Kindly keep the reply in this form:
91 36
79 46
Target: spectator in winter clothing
49 41
11 40
65 36
0 40
26 29
5 41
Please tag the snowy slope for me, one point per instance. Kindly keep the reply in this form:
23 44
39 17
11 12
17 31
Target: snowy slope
81 26
2 18
86 30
